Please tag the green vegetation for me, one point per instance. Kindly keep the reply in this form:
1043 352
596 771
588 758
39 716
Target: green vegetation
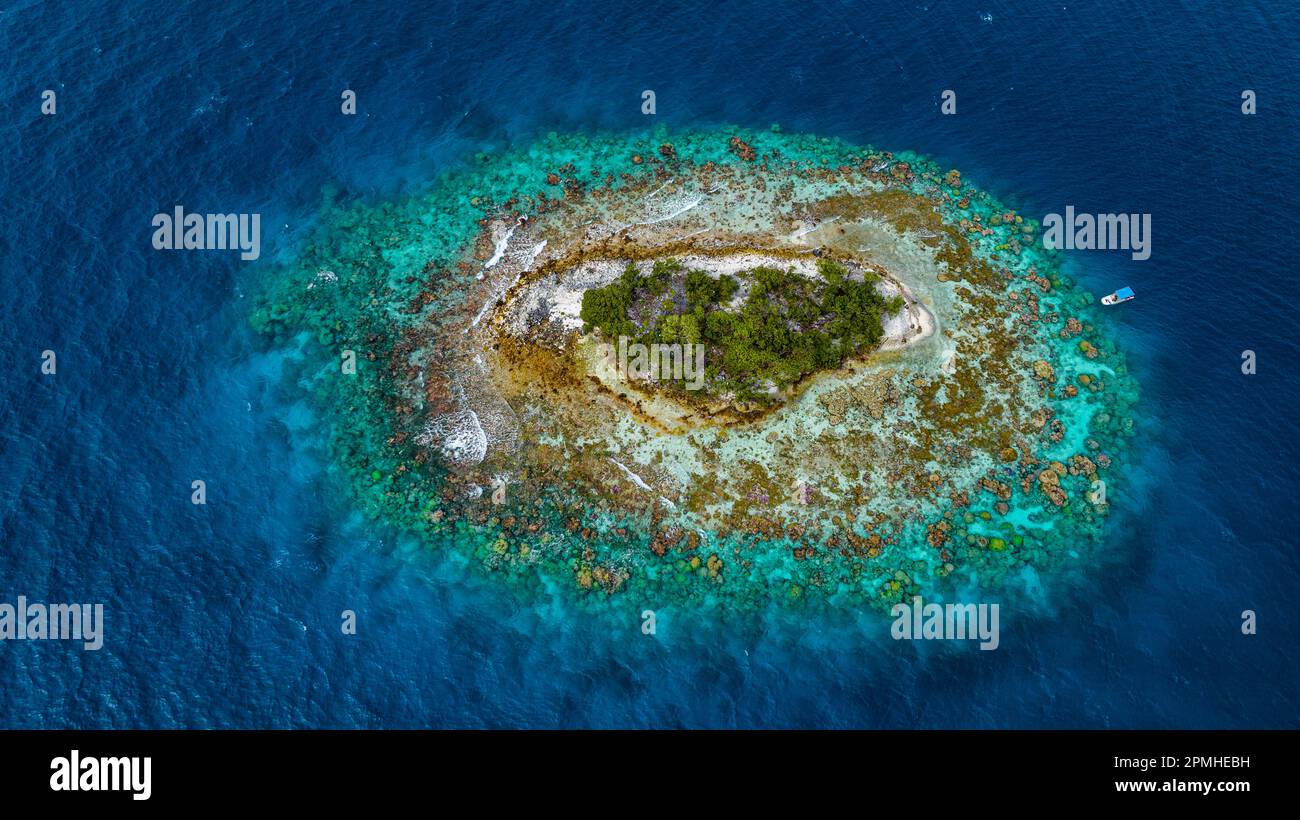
606 308
787 327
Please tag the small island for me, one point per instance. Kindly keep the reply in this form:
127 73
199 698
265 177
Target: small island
760 331
723 370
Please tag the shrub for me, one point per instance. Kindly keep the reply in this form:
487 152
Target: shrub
788 327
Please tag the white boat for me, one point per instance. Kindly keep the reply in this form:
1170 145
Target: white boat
1121 295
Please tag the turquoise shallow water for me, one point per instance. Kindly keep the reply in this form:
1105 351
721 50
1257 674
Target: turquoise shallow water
226 616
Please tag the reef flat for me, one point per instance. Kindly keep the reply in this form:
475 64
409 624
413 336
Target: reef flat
902 396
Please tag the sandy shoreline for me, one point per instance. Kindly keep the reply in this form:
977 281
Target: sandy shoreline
548 308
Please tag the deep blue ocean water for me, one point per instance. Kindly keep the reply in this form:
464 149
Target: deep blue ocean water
228 614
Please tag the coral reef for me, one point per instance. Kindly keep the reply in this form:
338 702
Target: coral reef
905 395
